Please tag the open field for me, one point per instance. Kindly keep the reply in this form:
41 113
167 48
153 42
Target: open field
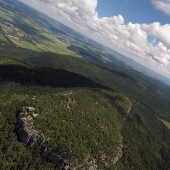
166 123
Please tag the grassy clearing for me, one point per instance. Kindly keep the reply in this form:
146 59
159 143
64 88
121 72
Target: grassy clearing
3 40
5 61
53 44
166 123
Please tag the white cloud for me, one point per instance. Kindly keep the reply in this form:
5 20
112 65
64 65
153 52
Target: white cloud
129 39
163 5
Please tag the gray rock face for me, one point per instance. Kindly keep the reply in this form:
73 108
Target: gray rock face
25 132
110 162
54 156
29 136
127 112
119 152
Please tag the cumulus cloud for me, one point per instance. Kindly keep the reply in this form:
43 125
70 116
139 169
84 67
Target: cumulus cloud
130 39
163 5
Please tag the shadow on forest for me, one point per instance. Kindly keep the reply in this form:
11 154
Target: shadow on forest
118 73
44 77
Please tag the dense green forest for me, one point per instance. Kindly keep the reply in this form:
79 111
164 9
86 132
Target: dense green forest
85 121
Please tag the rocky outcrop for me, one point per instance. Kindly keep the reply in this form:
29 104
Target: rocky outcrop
119 152
127 111
25 129
54 156
109 162
87 163
29 136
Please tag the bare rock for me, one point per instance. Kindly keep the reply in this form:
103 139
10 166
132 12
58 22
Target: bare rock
29 136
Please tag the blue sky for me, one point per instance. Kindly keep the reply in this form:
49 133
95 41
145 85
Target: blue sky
136 11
